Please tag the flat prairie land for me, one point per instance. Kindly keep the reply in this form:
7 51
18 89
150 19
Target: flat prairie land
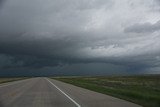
143 90
4 80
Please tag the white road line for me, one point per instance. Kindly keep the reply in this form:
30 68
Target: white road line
64 93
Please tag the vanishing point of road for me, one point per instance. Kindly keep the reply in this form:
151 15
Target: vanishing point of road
45 92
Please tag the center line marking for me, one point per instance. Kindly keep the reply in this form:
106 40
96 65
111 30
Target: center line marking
64 93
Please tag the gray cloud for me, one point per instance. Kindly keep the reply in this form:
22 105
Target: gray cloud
143 28
1 2
54 35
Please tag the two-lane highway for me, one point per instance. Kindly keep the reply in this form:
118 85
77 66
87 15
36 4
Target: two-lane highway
45 92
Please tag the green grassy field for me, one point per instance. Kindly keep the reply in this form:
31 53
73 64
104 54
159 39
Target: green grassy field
4 80
143 90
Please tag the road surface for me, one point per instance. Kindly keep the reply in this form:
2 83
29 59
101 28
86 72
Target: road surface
45 92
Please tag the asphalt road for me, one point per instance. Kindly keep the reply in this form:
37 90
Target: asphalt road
45 92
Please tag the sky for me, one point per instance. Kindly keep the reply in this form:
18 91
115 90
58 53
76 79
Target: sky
79 37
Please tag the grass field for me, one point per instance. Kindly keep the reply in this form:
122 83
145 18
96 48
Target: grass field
143 90
4 80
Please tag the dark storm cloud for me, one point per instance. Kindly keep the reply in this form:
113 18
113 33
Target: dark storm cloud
65 35
1 1
143 28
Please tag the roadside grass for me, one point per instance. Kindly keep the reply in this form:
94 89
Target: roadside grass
143 90
4 80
